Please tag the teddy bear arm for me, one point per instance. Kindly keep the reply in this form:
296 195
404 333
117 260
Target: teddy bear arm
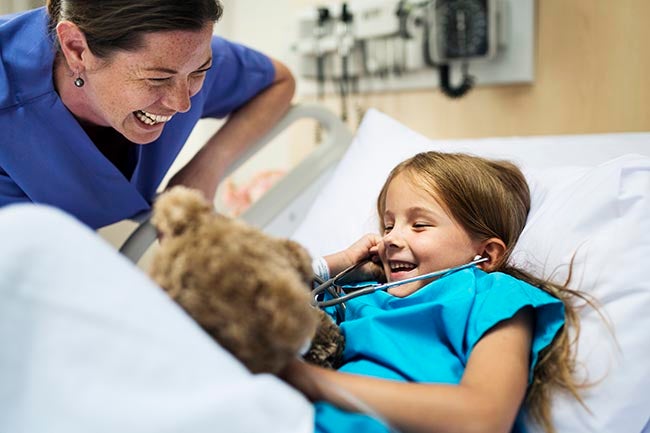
327 347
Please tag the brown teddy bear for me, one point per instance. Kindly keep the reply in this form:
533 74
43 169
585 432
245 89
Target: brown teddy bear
248 290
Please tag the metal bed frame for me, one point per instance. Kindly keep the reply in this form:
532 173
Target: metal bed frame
280 210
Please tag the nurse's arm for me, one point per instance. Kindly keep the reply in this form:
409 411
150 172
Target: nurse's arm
243 128
488 398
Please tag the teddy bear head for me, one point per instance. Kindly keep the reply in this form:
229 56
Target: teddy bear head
248 290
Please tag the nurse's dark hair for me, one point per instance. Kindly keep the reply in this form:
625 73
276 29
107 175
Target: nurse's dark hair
113 25
491 199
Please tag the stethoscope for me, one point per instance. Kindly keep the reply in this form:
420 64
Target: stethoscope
335 286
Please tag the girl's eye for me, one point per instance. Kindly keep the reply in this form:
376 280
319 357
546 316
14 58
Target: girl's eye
421 225
387 228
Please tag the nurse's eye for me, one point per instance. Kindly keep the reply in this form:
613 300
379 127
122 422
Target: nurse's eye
201 73
159 81
197 78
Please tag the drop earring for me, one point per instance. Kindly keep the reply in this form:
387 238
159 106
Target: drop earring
79 82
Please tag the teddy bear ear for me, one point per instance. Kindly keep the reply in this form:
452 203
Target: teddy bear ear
299 258
179 208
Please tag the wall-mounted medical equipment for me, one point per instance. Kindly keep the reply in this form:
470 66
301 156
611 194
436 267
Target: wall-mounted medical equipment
460 29
379 45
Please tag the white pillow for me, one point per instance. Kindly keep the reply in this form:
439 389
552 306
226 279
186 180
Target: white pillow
588 200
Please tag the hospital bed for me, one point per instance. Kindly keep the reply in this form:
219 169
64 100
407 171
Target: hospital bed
591 198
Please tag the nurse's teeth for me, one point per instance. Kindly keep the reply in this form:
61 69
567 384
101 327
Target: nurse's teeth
151 119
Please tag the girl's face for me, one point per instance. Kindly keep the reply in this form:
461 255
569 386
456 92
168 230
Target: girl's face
137 92
419 236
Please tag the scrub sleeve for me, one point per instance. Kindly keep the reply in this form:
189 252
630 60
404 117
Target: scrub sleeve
45 155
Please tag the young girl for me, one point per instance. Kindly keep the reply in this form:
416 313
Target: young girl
460 353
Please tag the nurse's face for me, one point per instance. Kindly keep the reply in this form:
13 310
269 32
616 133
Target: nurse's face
137 92
420 236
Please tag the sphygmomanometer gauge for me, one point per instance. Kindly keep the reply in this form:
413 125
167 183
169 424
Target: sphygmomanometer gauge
462 30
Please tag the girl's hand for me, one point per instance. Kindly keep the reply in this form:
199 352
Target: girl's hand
302 377
364 248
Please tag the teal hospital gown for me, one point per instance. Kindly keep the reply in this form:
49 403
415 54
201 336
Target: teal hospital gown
428 336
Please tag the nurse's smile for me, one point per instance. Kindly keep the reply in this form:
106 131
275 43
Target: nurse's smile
150 118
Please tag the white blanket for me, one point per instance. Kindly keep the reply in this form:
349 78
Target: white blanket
90 344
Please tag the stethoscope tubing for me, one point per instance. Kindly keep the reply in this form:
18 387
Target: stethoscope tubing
329 284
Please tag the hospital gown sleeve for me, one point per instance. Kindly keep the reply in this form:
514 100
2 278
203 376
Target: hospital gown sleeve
499 297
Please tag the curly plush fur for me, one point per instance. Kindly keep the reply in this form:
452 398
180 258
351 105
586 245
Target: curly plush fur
248 290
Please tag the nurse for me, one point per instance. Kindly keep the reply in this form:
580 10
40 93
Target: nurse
98 98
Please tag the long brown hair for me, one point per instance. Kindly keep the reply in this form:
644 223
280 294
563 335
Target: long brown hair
112 25
491 198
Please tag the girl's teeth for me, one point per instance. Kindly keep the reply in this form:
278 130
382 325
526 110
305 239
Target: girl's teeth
395 267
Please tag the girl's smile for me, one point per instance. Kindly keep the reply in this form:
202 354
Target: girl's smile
419 237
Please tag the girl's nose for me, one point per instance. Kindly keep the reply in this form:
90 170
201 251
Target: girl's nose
393 238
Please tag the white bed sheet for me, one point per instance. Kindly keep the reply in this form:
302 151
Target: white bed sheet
90 344
591 194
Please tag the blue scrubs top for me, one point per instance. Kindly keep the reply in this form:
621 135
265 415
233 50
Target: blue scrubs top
428 336
45 155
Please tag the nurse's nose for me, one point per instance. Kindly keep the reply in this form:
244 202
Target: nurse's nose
178 99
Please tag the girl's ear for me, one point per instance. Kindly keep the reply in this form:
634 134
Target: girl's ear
494 249
73 45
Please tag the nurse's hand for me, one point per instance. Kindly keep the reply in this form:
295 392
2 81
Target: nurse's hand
244 127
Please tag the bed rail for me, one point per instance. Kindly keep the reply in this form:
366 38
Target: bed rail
278 210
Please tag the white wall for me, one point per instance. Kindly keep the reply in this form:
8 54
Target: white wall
267 26
9 6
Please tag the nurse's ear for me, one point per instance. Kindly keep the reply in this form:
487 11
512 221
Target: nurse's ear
73 46
494 250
